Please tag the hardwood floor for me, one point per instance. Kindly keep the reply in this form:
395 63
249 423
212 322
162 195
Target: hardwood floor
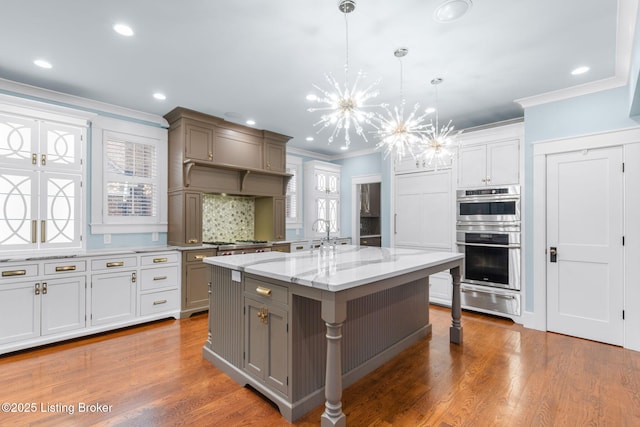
503 375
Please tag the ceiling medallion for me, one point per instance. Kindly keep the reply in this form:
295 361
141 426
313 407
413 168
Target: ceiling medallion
343 107
397 134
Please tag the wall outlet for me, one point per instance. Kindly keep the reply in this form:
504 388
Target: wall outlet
154 236
107 239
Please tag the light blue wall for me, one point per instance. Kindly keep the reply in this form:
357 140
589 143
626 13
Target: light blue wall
594 113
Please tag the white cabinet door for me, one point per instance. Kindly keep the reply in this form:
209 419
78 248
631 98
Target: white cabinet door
113 297
424 210
60 208
20 311
19 222
63 304
472 166
503 165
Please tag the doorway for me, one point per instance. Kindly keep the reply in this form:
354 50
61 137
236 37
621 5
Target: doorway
366 210
584 251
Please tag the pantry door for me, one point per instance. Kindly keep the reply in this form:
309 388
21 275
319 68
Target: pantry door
584 244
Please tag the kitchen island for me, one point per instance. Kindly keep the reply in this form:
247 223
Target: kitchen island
298 327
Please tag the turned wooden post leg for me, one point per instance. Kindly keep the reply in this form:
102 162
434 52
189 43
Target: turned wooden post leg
455 331
333 415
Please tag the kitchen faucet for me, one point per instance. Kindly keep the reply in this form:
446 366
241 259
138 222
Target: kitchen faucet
314 227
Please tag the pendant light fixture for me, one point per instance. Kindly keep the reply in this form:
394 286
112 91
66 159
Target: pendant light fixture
342 107
439 144
397 134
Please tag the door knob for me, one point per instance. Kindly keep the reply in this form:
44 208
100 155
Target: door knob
553 254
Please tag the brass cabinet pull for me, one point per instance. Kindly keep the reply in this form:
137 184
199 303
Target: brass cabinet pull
299 248
14 273
43 160
161 301
210 155
193 240
263 315
157 260
37 290
34 231
263 291
199 257
34 158
44 288
160 278
66 268
134 277
43 231
115 264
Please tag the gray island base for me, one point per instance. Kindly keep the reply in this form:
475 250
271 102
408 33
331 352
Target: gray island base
300 327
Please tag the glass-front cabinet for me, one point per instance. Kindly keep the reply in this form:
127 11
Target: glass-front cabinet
40 183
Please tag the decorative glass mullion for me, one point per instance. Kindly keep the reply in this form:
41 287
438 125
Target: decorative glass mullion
60 206
333 215
18 142
60 147
18 210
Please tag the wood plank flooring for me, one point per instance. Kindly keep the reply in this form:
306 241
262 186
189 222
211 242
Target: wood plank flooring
503 375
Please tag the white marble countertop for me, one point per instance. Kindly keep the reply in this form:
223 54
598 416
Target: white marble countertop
344 267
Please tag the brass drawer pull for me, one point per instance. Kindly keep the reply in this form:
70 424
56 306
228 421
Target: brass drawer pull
199 257
14 273
66 268
299 248
161 301
157 260
115 264
193 240
263 291
160 278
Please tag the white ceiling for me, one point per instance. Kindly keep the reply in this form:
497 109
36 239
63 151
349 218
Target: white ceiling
260 58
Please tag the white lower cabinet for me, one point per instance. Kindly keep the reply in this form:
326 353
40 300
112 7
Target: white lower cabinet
113 297
20 308
52 299
63 305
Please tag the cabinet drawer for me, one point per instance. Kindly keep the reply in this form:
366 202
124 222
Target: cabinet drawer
8 272
199 255
300 246
159 302
63 266
264 291
159 259
113 263
161 277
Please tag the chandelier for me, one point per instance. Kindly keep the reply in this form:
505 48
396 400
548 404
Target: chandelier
342 107
439 143
397 134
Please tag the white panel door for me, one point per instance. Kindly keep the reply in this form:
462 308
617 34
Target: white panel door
409 215
585 225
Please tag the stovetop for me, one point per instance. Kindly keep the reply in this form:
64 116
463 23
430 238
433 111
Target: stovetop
239 244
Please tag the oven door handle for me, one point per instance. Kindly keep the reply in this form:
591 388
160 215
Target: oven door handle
467 290
488 245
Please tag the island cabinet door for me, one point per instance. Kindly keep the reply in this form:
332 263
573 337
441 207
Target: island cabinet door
266 344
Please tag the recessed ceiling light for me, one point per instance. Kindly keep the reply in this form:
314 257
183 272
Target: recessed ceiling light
42 63
311 97
344 148
580 70
159 96
123 30
430 110
309 138
250 122
451 10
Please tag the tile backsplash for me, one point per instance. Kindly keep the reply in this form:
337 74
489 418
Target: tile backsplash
227 218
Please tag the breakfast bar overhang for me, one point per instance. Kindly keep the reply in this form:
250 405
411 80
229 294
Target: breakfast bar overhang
299 327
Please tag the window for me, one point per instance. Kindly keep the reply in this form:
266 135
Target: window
129 187
294 187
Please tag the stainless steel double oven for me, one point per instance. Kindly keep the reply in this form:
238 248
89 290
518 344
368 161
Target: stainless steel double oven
488 233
